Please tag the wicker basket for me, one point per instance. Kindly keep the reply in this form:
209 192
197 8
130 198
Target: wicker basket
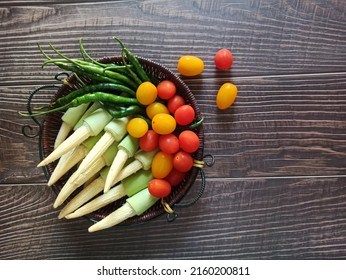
52 124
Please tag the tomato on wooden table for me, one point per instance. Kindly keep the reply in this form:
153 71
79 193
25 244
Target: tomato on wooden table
223 59
189 65
226 96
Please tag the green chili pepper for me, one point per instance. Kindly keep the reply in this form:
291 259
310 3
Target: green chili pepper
93 88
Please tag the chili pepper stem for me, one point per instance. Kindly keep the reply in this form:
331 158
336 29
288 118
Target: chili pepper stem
44 112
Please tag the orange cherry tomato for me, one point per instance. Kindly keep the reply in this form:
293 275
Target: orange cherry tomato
163 123
190 65
137 127
226 96
146 93
162 165
156 108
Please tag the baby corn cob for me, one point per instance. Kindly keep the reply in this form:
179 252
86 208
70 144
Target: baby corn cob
142 160
88 192
115 130
134 205
91 109
74 182
71 158
69 120
92 126
129 186
126 149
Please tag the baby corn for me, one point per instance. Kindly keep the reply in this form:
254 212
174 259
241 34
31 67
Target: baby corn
69 120
114 131
129 186
126 149
71 158
134 205
74 182
92 126
142 160
86 194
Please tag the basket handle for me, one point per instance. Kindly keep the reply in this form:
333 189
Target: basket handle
27 130
171 214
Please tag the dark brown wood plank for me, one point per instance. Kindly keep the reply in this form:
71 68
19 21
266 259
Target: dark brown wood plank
266 39
234 219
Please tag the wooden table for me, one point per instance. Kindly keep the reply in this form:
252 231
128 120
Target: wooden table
277 188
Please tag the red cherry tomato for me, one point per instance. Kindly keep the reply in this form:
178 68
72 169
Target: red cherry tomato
223 59
175 177
150 141
166 89
159 188
184 115
182 161
174 103
189 141
169 143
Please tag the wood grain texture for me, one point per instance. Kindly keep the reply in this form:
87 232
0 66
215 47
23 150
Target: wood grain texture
277 189
235 219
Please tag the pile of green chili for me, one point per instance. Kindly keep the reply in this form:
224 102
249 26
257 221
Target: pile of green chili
113 85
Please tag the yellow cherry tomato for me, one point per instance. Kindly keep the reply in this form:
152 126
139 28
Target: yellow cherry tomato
146 93
190 65
163 123
161 165
137 127
156 108
226 96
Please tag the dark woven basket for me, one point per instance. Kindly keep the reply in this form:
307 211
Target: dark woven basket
52 123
